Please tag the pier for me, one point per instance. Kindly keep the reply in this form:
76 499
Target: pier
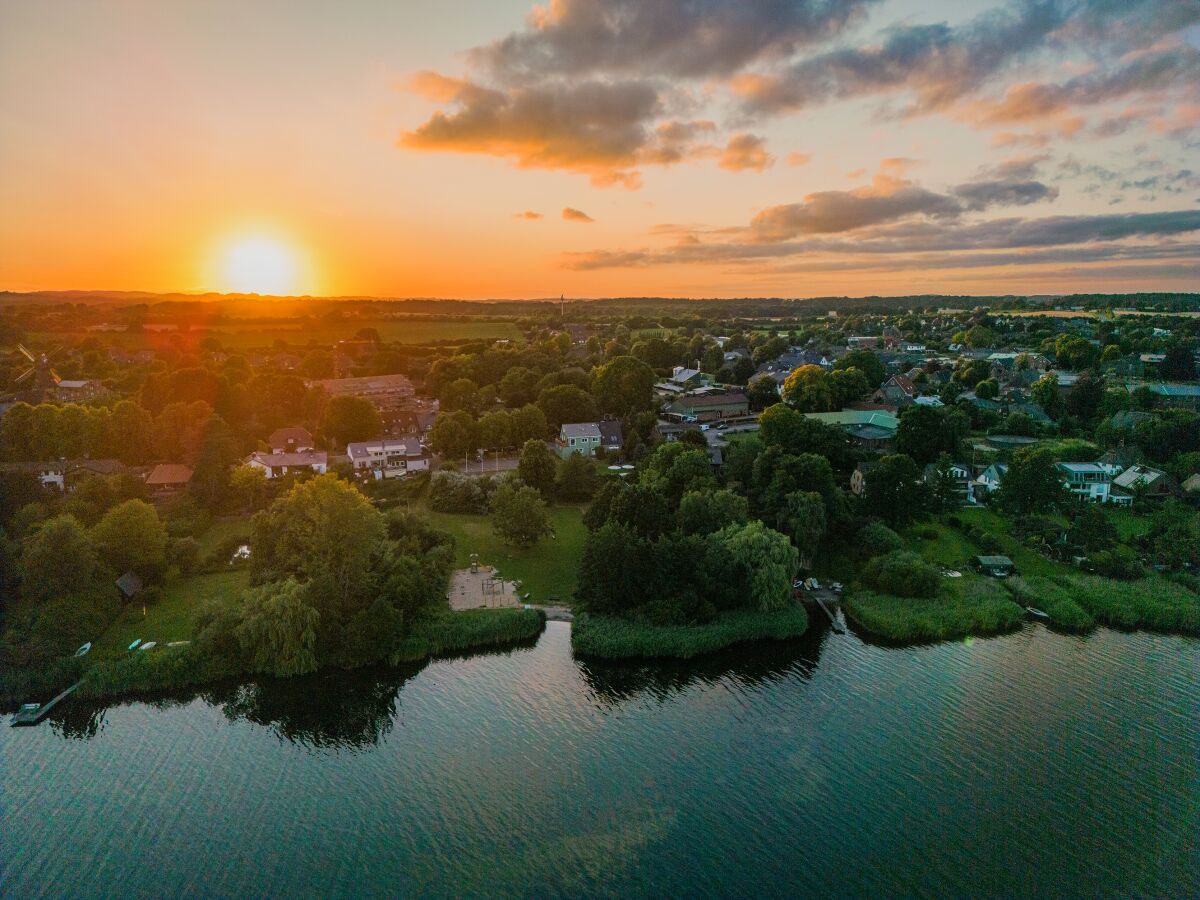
33 716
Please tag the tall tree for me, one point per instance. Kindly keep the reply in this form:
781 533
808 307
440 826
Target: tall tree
519 514
349 419
537 467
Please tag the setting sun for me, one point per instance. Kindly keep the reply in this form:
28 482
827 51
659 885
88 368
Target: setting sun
260 266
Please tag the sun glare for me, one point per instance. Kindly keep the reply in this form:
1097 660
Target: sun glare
260 266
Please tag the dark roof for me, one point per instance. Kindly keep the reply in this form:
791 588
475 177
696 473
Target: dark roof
165 474
294 433
611 432
129 584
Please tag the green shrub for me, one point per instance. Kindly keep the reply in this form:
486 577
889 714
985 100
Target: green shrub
903 574
1119 562
1054 599
613 638
453 492
982 608
877 539
453 632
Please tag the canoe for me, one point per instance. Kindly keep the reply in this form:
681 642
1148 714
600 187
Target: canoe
1033 611
149 644
82 651
134 645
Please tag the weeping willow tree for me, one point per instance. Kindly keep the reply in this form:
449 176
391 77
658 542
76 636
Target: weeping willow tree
278 629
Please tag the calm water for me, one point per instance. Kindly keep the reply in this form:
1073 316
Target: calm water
1029 764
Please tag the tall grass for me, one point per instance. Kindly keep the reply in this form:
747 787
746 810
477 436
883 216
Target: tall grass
613 638
1155 603
37 684
979 607
453 632
1054 599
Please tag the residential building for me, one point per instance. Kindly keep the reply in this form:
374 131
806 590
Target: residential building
578 437
78 390
48 474
898 390
389 457
292 439
709 405
1145 481
276 465
1186 396
612 435
1087 481
687 378
961 473
988 480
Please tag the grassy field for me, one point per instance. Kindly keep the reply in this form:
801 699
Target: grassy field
221 531
169 618
1128 523
546 570
1154 603
264 336
967 606
612 638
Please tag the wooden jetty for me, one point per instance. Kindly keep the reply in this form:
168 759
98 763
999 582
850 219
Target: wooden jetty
33 716
824 600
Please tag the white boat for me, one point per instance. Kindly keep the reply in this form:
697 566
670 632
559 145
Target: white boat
82 651
148 645
1034 611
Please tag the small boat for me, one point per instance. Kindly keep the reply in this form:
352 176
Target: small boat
134 645
1037 613
82 651
149 645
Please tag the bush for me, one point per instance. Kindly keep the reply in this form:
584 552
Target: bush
928 534
1119 562
184 554
1054 599
877 539
902 574
454 632
983 608
1153 603
453 492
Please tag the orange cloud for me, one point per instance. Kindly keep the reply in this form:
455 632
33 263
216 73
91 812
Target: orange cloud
746 151
529 215
575 215
796 158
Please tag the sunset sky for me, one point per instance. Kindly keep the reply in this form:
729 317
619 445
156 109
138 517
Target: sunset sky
677 147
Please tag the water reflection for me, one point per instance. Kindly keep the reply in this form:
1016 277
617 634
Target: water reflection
748 665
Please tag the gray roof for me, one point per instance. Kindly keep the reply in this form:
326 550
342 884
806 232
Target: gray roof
410 447
581 430
129 584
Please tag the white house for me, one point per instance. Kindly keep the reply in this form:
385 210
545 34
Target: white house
988 480
276 465
578 437
1089 481
389 457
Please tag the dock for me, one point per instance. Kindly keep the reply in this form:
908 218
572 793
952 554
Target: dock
824 599
33 716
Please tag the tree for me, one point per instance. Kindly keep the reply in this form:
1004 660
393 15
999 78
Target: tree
317 364
768 557
566 403
349 419
322 530
802 518
623 385
902 574
674 469
848 386
704 512
895 491
218 453
808 389
988 389
1074 352
1092 529
248 485
1085 398
1032 484
866 362
278 629
528 422
179 429
57 560
1045 394
519 514
762 392
454 434
925 432
537 467
615 570
943 486
131 537
980 336
576 479
1179 363
516 388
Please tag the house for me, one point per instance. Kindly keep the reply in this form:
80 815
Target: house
961 473
928 401
1186 396
79 470
898 390
78 390
871 437
1130 418
612 435
710 405
688 378
1191 488
1145 481
388 457
995 566
578 437
168 479
988 480
292 439
865 427
48 474
276 465
1088 481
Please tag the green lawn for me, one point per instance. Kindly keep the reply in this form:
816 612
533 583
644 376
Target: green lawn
1129 524
547 570
1028 562
220 531
169 617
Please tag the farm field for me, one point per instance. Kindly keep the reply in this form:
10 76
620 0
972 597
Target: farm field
254 336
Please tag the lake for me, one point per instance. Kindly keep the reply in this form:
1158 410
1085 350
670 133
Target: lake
1033 763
